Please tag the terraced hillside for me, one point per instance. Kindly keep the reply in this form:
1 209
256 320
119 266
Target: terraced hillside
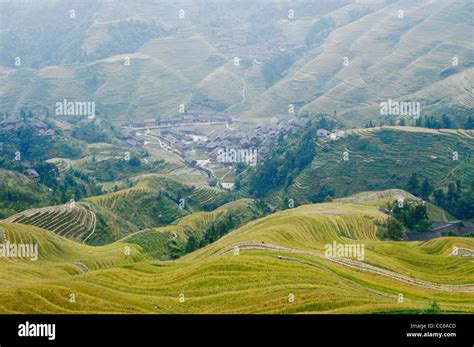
152 201
368 56
125 91
371 60
73 221
171 241
272 265
384 158
209 197
385 197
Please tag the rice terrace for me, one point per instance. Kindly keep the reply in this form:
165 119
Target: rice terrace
203 158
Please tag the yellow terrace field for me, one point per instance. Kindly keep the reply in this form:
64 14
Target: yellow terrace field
273 265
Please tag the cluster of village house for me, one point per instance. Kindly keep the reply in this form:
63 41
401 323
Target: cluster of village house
234 41
11 124
179 135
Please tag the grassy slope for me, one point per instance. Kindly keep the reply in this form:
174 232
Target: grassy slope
214 280
166 69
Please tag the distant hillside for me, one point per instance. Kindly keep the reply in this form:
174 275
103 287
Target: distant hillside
346 58
384 158
387 58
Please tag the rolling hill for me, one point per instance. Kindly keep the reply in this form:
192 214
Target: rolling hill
279 267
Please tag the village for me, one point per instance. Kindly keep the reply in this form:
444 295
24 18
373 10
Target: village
235 42
205 140
208 140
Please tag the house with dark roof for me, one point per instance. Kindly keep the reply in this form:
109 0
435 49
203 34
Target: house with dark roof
322 133
190 161
179 145
150 122
138 124
10 124
40 125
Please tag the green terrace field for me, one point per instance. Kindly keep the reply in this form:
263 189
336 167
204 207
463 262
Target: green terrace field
170 241
152 201
254 269
384 158
143 202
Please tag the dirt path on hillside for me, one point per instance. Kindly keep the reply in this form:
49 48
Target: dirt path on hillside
357 265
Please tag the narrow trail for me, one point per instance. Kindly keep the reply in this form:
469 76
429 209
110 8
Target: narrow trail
357 265
94 217
244 87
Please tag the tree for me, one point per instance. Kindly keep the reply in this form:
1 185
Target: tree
413 216
394 229
465 206
446 122
134 161
413 185
433 308
469 123
418 122
192 244
238 184
452 194
426 189
319 31
175 249
423 225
